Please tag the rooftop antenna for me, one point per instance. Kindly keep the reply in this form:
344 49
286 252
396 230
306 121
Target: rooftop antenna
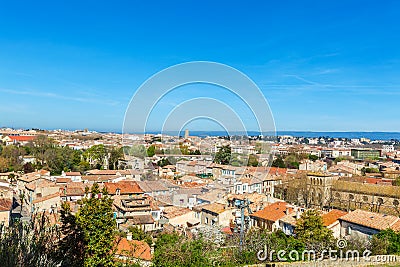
242 221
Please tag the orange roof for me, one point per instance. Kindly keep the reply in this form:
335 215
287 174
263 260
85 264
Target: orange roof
5 204
332 216
134 248
125 187
108 172
273 212
227 230
173 211
63 180
276 171
21 138
396 226
371 219
73 174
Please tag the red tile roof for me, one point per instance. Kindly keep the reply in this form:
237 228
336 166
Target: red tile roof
273 212
396 226
332 216
63 180
372 220
73 174
125 187
21 138
134 248
5 204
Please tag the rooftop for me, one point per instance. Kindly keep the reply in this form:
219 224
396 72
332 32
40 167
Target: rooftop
273 212
332 216
369 219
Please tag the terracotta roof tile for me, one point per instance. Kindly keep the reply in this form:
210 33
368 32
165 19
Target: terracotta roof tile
273 212
73 174
370 219
5 204
125 187
21 138
173 211
134 248
332 216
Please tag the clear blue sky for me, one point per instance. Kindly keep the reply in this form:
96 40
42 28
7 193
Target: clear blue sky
322 65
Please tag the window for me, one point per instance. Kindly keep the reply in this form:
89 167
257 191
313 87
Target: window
349 230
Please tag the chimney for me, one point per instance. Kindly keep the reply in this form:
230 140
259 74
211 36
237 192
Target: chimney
287 211
129 236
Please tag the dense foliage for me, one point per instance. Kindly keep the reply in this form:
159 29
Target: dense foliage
311 231
49 155
225 156
28 244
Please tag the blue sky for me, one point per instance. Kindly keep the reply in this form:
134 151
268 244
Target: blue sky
322 65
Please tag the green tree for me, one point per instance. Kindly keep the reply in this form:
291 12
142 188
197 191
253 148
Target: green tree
95 218
71 248
163 162
39 146
311 231
253 161
172 250
386 242
292 161
278 162
223 156
4 164
13 155
151 150
396 182
138 151
116 153
195 152
139 234
257 240
96 154
28 244
312 157
184 149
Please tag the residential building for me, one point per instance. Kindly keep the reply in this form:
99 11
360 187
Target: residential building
216 214
268 218
5 211
331 221
133 251
179 217
363 224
